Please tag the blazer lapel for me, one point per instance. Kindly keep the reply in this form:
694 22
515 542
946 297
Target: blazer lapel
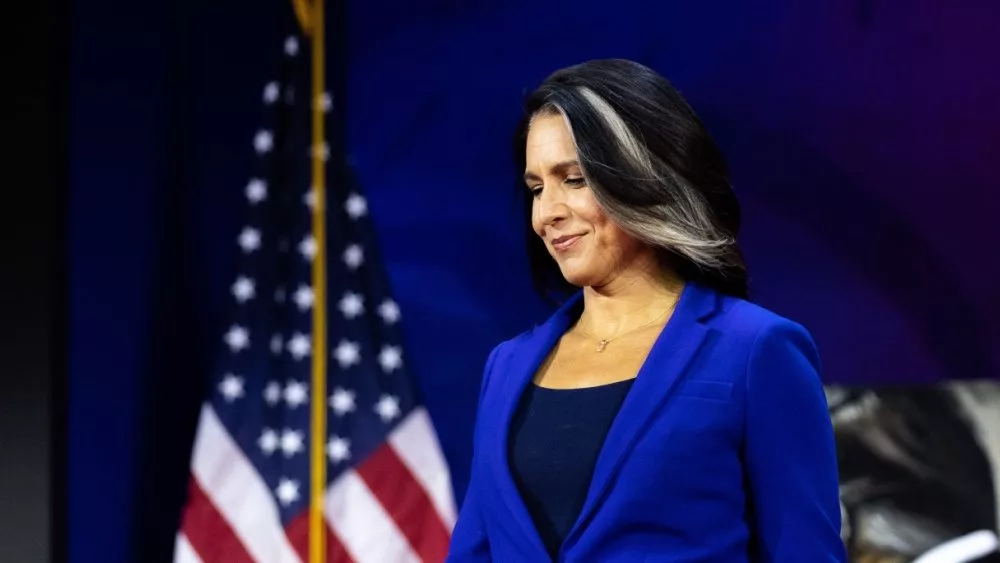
517 372
672 351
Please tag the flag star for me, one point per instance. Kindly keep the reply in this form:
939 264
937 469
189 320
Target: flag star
268 441
339 449
325 102
309 199
243 289
308 247
271 92
277 344
347 353
352 305
256 190
263 141
272 393
356 206
322 151
299 346
238 338
287 491
389 311
249 239
304 297
291 442
342 401
391 358
296 394
291 46
354 256
231 387
387 408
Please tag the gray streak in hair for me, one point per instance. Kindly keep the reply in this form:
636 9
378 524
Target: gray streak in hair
682 223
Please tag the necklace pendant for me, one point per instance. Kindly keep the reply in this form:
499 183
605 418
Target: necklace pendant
601 345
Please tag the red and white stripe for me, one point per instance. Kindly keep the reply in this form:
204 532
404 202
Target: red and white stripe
394 507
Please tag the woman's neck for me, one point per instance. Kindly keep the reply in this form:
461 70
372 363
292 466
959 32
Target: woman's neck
632 299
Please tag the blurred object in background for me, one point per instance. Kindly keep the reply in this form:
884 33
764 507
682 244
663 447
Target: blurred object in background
920 471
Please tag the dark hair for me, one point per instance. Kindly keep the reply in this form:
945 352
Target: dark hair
652 166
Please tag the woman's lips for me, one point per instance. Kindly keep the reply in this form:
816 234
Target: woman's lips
563 244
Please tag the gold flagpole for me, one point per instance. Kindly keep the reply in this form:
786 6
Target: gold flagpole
310 16
317 529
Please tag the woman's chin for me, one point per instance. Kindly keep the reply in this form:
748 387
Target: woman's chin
578 278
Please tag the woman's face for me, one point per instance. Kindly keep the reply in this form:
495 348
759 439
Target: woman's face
590 249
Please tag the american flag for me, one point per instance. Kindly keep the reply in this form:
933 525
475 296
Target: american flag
388 494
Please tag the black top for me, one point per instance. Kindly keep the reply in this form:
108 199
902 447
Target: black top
555 437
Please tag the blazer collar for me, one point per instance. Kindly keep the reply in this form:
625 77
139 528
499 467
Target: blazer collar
671 353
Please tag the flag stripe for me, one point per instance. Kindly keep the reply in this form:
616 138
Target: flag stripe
208 532
185 552
368 533
406 502
239 493
416 444
298 534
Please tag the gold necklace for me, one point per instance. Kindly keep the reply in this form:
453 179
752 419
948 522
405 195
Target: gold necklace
602 343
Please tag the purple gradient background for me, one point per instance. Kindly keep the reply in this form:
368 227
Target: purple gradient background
862 138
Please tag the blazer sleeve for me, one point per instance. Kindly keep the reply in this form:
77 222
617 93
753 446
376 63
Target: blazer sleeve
469 542
790 452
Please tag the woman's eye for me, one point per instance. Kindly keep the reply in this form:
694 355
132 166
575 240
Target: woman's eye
575 181
535 191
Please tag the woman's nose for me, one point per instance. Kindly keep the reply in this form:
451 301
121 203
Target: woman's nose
551 207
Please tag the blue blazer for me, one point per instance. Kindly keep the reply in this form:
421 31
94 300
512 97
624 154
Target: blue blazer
723 451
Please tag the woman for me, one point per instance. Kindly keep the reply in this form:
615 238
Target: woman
657 415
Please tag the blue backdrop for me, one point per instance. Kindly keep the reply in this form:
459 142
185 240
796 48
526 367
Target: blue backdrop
862 136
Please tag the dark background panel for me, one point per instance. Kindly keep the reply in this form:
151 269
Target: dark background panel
32 286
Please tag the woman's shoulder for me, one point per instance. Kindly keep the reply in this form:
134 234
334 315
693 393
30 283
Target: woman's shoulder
504 349
508 346
745 320
775 354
